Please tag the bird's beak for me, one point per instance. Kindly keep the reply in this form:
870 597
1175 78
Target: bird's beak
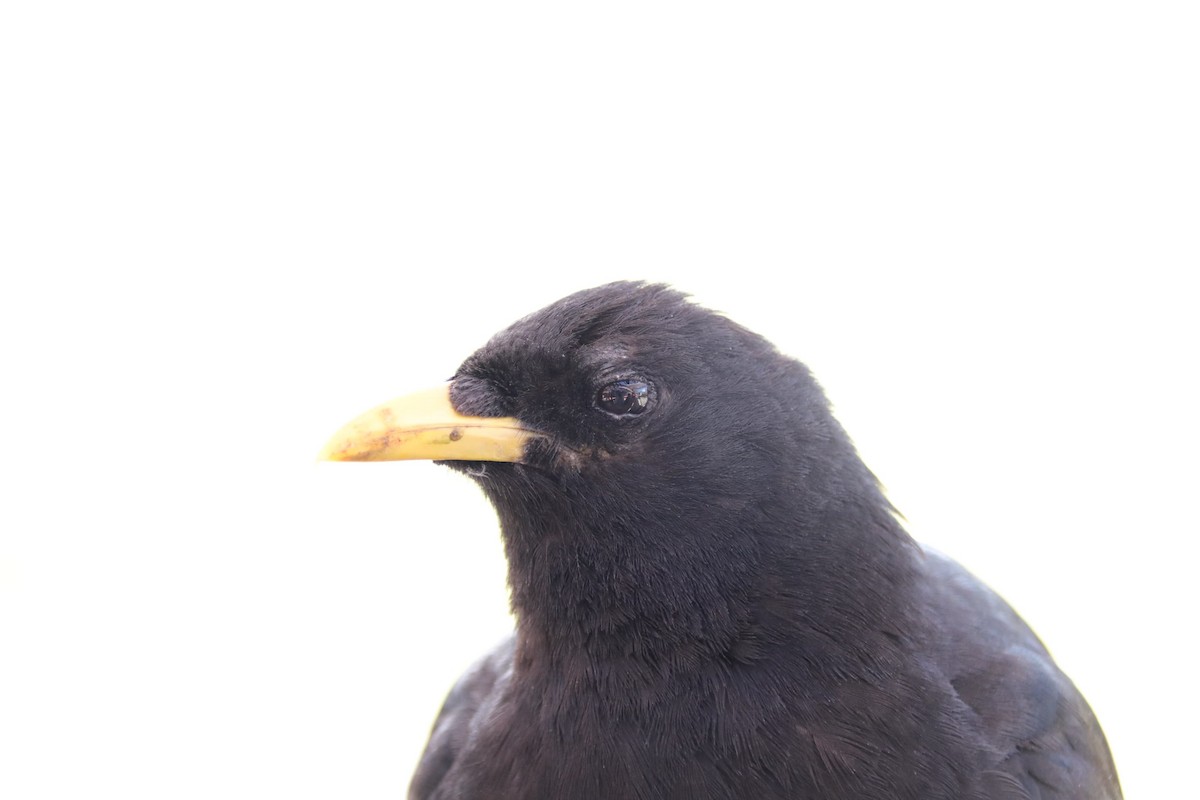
424 425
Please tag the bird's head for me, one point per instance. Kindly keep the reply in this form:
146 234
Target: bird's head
628 393
624 435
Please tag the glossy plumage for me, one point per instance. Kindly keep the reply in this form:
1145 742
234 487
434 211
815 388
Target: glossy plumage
715 600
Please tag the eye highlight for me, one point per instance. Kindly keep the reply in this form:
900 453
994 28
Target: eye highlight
624 398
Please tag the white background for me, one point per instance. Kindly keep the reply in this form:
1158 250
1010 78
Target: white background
227 227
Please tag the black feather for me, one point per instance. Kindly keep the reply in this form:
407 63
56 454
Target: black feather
715 600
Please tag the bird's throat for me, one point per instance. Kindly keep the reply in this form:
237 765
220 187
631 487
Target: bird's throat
641 598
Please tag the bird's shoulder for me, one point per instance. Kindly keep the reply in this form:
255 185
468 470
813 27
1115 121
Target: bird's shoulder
452 727
1046 740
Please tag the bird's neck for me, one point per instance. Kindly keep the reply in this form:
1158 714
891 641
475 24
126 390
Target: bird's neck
640 600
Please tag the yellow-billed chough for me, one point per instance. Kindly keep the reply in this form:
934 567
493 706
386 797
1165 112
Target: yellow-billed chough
713 597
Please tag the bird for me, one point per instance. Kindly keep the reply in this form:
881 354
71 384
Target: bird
714 599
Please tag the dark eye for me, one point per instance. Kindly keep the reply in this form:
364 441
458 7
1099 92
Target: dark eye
624 398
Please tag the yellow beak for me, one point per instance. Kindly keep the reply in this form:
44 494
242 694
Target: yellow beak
425 425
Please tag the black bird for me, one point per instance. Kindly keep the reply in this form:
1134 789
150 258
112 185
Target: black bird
713 597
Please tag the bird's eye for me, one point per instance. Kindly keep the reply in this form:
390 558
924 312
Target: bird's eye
624 398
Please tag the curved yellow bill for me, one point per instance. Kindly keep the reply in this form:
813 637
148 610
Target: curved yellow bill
424 425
